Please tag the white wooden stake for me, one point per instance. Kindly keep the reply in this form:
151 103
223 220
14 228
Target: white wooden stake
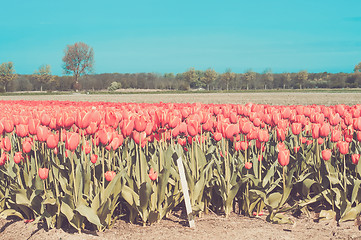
187 200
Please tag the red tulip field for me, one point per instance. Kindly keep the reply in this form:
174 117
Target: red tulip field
87 164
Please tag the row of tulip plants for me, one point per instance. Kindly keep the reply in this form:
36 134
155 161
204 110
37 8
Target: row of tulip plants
87 164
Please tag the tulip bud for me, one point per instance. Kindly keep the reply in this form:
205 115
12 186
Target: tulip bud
326 154
343 147
26 146
94 158
109 175
152 175
284 157
18 157
43 173
355 158
248 165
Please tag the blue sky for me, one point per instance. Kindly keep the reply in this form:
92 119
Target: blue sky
172 36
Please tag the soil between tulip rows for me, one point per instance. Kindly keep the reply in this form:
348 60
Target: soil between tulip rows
276 98
210 226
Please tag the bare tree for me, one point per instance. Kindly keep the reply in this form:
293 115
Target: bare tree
357 68
268 77
301 78
228 76
78 60
7 74
43 75
249 77
190 76
285 79
209 76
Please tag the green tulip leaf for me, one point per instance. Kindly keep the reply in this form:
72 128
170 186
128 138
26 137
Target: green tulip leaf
89 213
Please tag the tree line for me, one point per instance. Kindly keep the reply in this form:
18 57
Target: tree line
185 81
78 61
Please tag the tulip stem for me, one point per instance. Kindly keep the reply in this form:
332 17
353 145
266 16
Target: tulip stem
103 159
318 161
260 165
73 172
142 173
284 179
44 186
35 156
344 174
329 174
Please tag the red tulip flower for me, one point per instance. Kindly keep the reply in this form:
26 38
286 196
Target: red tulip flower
315 131
45 119
86 148
231 130
246 127
284 157
83 119
72 141
18 157
111 119
334 119
43 173
8 125
217 136
335 135
355 157
326 154
248 165
263 136
174 122
128 127
281 135
281 146
92 128
296 149
243 145
22 130
140 123
192 127
52 141
6 144
343 147
27 146
237 146
33 125
152 174
325 130
105 136
42 132
94 158
4 157
296 128
109 175
182 141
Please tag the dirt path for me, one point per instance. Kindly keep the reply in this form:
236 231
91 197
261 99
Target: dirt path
208 227
277 98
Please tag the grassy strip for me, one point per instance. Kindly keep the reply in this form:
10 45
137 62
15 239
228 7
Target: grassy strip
319 90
